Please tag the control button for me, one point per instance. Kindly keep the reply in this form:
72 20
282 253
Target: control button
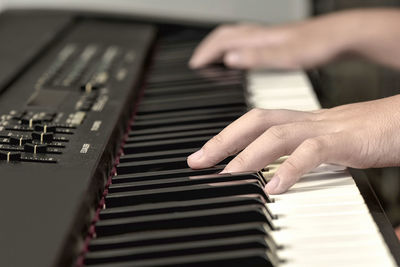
39 159
35 148
17 115
5 134
60 139
76 118
42 137
89 87
65 126
30 122
92 96
48 117
5 141
45 128
53 151
11 148
56 144
19 128
64 131
10 156
19 140
86 106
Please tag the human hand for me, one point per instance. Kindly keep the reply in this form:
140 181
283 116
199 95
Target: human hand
370 33
359 135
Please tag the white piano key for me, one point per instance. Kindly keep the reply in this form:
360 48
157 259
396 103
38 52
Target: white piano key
347 260
303 194
355 218
262 82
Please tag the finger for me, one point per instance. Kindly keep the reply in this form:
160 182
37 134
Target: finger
240 133
213 46
277 141
309 155
222 39
266 57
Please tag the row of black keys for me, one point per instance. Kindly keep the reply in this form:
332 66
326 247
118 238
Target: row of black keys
159 212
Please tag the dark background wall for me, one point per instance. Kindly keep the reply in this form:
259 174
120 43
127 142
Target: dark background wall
355 80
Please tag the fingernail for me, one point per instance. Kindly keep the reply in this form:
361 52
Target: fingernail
233 58
272 185
196 155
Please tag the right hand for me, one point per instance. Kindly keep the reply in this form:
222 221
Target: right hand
360 135
370 33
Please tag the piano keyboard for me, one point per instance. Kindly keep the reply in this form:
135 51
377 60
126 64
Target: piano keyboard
158 212
94 172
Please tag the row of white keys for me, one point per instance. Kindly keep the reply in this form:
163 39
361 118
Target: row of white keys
323 219
281 90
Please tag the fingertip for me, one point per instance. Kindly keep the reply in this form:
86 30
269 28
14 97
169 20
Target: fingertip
194 159
272 187
232 58
193 63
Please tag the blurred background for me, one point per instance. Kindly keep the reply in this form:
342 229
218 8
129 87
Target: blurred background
338 83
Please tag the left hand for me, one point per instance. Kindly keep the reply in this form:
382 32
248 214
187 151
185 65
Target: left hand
360 135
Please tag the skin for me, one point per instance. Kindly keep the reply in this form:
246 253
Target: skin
360 135
370 33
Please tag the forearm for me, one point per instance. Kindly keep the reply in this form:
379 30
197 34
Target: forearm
371 33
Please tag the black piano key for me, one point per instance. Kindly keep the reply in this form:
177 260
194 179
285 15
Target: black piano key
244 257
179 206
161 145
176 249
218 97
192 112
184 193
174 55
220 71
180 89
190 103
207 74
149 238
179 128
157 155
175 42
126 178
199 218
160 68
184 181
144 124
157 165
161 78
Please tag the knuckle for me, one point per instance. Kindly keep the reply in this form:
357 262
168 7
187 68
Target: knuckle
215 143
258 113
224 29
219 148
241 161
218 139
313 145
279 132
319 115
291 165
